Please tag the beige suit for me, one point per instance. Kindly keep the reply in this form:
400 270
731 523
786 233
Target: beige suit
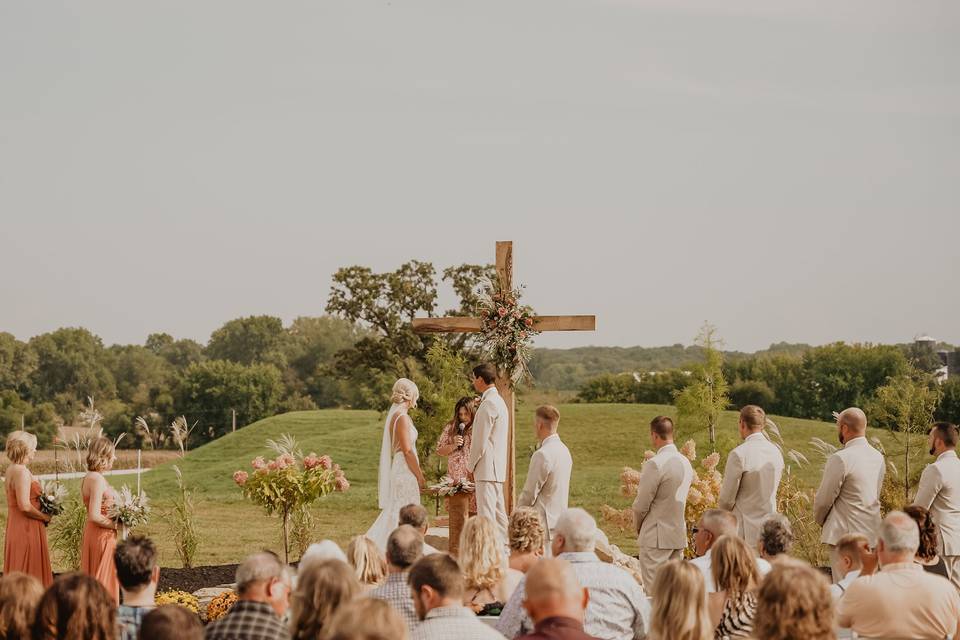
488 458
659 510
848 500
547 488
939 492
750 482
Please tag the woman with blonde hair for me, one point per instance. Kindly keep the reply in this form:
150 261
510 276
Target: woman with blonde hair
369 565
322 587
794 602
679 604
734 605
25 544
525 536
487 577
99 532
19 596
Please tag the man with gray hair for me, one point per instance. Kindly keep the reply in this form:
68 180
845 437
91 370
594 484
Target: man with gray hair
617 610
263 589
902 600
404 548
713 524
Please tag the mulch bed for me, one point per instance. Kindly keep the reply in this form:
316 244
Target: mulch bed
195 578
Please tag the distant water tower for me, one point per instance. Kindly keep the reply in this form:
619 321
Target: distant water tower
925 342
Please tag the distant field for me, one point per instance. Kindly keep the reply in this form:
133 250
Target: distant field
50 460
603 439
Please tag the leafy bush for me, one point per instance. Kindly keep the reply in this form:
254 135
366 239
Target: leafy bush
744 392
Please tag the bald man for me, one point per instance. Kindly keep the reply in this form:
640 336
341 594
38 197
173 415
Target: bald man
555 601
848 500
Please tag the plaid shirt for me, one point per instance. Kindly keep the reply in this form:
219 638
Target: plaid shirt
248 620
129 620
460 623
396 591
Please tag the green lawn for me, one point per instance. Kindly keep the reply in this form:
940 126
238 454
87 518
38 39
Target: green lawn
602 438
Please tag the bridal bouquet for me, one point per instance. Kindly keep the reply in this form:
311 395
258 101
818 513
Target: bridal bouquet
448 486
52 496
129 511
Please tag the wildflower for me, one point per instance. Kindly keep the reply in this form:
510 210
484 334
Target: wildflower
325 462
528 322
259 463
341 484
272 465
502 312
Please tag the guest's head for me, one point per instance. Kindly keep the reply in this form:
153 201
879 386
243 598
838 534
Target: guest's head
75 607
404 548
435 581
575 531
320 551
484 376
101 454
794 602
943 437
21 447
661 431
899 539
369 565
366 619
776 536
752 420
679 603
19 596
481 554
849 550
262 577
928 532
171 622
713 524
137 569
553 591
546 422
464 411
851 423
733 564
405 392
322 587
525 533
415 515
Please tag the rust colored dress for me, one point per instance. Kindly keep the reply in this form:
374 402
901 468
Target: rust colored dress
26 541
96 553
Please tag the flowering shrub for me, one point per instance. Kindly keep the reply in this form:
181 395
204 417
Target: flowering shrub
179 598
506 329
220 605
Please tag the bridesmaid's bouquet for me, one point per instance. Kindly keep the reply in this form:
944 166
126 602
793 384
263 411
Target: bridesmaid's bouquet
52 496
129 511
448 487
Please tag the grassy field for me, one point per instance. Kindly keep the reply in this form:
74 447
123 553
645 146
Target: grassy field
602 438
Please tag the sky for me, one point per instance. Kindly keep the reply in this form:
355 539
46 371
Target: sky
788 171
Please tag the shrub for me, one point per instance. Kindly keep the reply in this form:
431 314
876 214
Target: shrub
744 392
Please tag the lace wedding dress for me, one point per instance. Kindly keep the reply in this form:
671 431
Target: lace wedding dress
398 487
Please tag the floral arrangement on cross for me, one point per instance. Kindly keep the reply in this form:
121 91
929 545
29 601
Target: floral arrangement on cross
289 482
506 329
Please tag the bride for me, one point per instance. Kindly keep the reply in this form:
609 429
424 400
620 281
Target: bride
400 477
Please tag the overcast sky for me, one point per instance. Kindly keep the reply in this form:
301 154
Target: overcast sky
786 170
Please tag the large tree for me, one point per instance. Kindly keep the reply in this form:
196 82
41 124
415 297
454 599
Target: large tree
71 365
249 340
17 363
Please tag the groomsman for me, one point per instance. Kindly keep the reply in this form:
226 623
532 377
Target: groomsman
752 475
939 492
488 448
848 500
661 499
547 488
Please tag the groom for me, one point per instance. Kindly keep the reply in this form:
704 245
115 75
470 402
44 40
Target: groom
488 449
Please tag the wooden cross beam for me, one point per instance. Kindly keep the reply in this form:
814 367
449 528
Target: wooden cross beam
504 266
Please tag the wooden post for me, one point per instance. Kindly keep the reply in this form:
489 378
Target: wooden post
234 428
504 265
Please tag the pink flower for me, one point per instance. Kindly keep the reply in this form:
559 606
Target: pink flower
528 322
341 484
272 465
311 461
523 335
240 477
259 463
262 471
336 469
325 462
502 311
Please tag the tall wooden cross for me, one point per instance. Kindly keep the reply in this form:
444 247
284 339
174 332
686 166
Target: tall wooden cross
472 325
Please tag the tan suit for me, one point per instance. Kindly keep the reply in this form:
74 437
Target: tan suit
848 500
659 510
939 492
488 458
547 488
750 482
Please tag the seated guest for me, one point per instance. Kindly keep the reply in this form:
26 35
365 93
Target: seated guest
617 610
404 548
263 592
850 551
793 603
713 524
927 556
437 587
138 573
734 604
76 607
171 622
525 535
416 516
367 619
776 537
901 600
555 602
321 587
488 578
679 604
320 551
369 565
20 594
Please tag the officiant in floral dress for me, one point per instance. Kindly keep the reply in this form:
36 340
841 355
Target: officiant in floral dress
456 448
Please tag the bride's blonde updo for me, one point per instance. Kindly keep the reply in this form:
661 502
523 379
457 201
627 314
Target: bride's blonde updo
405 390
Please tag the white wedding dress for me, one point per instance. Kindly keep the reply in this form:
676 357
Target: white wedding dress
398 487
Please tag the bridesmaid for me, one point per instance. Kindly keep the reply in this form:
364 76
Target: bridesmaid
100 532
26 540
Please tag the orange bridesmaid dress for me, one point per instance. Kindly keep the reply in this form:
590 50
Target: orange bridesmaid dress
26 541
96 553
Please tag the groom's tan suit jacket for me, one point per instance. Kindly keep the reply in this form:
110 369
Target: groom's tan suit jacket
848 500
547 488
488 447
750 482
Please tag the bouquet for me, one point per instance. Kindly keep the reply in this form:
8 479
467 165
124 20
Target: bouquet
128 510
52 497
448 486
